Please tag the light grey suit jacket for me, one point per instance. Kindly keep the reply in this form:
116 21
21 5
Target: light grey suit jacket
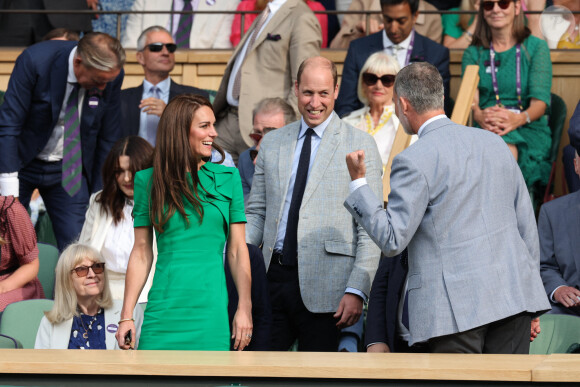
333 251
559 229
459 202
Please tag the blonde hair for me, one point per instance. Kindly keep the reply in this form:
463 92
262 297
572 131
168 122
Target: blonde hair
378 63
65 298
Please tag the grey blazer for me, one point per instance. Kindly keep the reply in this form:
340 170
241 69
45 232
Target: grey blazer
559 229
460 203
334 252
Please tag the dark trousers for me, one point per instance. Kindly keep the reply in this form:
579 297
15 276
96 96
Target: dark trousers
67 214
508 336
316 332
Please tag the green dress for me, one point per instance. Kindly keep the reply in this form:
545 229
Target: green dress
532 140
188 301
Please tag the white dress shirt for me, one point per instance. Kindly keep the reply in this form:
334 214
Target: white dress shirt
401 56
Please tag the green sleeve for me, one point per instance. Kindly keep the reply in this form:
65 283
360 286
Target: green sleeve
451 25
141 196
540 73
237 211
470 57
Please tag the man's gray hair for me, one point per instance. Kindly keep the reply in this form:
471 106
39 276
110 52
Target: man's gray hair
143 37
421 84
274 105
100 51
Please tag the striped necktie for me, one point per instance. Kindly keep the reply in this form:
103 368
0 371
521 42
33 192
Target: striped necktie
184 27
72 154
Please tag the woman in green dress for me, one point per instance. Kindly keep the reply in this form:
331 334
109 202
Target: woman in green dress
514 87
193 206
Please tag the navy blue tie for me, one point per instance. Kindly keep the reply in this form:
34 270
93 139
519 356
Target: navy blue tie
290 248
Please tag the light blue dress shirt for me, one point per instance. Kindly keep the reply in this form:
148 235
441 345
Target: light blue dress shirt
148 92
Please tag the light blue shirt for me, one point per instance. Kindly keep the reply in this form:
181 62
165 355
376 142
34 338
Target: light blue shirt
147 92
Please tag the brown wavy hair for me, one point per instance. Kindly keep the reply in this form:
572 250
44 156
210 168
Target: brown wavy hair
482 34
140 153
173 159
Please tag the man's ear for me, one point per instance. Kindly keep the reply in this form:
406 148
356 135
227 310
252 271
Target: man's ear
336 91
140 58
405 105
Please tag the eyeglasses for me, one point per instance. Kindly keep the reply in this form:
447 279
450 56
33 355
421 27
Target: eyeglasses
503 4
157 47
83 271
370 79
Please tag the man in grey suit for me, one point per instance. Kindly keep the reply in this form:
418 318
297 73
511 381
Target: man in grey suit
559 229
459 203
320 262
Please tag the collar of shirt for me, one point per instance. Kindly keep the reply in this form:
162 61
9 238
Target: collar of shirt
319 130
388 44
71 77
163 89
432 119
275 6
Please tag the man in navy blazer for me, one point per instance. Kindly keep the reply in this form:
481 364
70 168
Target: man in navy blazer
141 105
396 39
559 231
32 124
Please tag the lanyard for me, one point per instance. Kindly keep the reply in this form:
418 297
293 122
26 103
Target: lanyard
518 75
408 58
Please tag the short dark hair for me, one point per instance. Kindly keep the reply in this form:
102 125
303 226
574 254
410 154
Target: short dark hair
414 4
140 153
331 67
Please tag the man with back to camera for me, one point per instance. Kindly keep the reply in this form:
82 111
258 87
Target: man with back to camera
398 39
320 263
459 202
58 122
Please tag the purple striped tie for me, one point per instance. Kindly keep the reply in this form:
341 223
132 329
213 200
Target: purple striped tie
184 27
71 153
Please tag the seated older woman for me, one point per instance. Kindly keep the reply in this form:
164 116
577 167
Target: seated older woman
375 90
84 315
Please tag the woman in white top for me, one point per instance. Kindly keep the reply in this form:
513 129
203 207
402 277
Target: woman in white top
375 90
108 225
84 315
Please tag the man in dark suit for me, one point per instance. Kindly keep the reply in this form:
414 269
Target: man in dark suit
559 231
142 106
62 103
398 39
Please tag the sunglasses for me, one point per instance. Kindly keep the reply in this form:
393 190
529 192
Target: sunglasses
503 4
157 47
370 79
83 271
257 136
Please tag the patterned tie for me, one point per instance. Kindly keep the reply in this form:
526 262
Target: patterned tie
238 79
396 49
72 154
152 119
290 247
184 27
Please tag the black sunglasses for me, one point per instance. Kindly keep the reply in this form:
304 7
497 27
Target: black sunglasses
503 4
83 271
157 47
371 79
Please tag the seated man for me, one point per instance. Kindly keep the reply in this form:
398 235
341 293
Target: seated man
269 114
568 153
354 25
188 30
398 39
559 230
